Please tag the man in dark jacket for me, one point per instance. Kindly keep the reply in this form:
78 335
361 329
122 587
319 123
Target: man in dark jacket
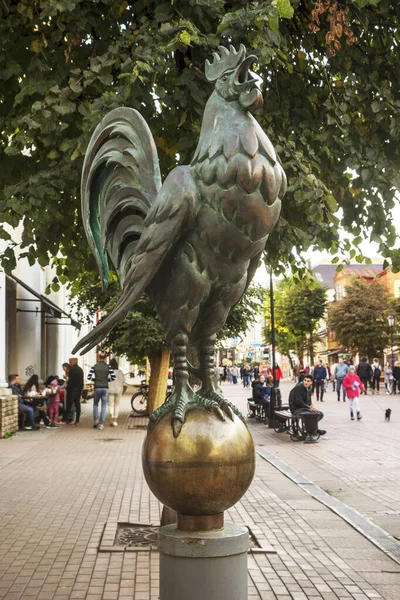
396 377
23 409
102 373
74 391
300 405
319 376
364 371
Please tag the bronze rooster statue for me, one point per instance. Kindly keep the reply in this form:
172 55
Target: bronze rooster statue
193 242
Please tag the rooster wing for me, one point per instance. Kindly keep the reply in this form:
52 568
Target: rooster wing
171 216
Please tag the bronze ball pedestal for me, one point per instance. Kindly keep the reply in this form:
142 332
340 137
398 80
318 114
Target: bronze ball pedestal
200 474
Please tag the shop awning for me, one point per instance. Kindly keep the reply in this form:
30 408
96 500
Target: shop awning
332 352
46 305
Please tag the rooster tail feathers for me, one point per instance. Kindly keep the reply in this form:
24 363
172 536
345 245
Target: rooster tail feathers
97 335
120 180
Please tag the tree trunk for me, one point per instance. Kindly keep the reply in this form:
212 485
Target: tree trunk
158 380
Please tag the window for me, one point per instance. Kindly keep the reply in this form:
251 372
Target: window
339 290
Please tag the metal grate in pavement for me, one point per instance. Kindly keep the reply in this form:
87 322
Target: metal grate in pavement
128 537
142 537
138 536
375 534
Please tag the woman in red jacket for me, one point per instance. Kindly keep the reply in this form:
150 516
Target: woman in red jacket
352 383
278 375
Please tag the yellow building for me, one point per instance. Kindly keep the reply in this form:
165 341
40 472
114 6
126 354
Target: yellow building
327 346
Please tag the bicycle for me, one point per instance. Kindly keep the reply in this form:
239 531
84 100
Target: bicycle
140 398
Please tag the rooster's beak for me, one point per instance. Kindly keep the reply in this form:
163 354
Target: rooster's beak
243 80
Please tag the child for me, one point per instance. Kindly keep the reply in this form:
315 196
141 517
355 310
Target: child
53 401
352 384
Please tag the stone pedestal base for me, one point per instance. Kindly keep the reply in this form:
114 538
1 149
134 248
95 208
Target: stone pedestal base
203 566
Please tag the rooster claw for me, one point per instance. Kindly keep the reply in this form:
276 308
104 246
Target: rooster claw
216 409
226 407
176 427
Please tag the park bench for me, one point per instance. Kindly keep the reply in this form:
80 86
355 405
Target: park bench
255 410
286 422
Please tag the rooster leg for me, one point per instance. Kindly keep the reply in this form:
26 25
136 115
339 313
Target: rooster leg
205 350
183 393
209 393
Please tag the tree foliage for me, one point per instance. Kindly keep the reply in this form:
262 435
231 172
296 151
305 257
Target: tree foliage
244 313
359 320
299 306
331 108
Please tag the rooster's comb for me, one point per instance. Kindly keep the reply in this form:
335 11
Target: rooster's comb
228 61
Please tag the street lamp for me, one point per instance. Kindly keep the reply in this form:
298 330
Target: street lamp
274 393
391 325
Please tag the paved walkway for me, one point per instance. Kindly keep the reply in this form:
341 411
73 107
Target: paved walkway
59 489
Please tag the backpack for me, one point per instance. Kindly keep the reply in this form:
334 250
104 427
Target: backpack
376 370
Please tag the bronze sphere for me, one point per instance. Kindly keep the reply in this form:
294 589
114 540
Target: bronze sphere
204 471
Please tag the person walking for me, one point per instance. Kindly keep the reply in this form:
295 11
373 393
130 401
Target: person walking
115 391
246 376
396 377
235 374
319 377
388 377
364 371
328 375
264 369
376 375
63 392
340 373
278 374
102 374
353 384
333 375
74 391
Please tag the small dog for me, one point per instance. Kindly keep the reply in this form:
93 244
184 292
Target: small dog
388 412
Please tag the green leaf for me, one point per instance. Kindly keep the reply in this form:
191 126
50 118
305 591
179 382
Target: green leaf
331 203
273 22
285 9
185 38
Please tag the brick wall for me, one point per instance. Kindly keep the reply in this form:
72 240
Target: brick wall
8 414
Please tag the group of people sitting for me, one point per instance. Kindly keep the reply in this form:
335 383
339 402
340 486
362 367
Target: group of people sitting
31 398
57 395
59 399
261 393
300 401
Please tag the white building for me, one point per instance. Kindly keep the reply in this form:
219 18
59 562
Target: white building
37 331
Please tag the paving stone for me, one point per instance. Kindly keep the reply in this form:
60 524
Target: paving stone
318 555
